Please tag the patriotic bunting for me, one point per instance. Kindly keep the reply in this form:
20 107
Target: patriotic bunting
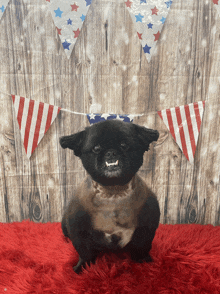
34 119
68 16
184 124
217 5
95 118
3 5
149 17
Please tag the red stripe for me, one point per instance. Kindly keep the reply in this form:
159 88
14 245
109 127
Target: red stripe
20 111
13 98
198 118
38 125
182 135
49 118
190 128
203 102
170 122
159 112
28 123
59 108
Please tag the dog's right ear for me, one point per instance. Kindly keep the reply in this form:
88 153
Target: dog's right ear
73 142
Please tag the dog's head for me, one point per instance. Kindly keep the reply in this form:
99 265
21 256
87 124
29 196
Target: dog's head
111 151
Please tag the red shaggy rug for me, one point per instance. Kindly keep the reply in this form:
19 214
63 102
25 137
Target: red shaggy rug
36 258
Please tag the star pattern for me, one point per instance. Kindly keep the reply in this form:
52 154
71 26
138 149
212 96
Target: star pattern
157 35
139 17
168 3
82 17
97 117
74 7
88 2
66 45
58 12
163 20
146 49
59 31
128 3
149 17
68 17
154 10
139 36
76 33
69 21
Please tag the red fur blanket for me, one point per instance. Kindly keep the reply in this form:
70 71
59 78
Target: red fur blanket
36 258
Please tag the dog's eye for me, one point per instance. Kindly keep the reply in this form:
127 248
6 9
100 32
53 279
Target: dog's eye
96 149
124 146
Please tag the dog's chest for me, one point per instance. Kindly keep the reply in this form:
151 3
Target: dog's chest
114 215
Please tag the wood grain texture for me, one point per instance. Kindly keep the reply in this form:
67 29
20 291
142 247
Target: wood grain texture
108 72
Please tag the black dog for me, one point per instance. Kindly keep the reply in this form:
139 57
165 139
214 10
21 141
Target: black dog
112 209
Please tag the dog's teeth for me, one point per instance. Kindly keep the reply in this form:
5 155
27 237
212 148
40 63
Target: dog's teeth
110 164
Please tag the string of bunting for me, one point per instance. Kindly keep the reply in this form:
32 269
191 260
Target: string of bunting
35 118
148 17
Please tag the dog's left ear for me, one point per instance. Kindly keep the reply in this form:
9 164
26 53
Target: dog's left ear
146 136
73 142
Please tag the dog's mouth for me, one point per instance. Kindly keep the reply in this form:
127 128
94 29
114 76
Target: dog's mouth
111 163
112 169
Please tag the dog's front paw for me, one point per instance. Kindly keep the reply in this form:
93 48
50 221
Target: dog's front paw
78 268
82 263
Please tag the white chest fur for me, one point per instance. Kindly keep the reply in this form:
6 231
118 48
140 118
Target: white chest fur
114 215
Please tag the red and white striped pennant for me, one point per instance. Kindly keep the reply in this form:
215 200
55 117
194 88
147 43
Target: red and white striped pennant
34 120
217 5
184 124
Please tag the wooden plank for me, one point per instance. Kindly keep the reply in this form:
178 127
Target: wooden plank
109 72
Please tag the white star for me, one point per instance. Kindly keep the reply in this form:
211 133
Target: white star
105 115
92 116
119 118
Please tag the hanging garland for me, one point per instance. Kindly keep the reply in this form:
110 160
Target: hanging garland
34 119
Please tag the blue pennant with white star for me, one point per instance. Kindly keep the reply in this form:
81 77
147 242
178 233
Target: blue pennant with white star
149 17
3 5
68 16
96 117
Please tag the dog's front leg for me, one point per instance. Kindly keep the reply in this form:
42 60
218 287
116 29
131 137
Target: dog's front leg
82 263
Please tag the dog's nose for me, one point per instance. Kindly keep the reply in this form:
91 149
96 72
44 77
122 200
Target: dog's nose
111 153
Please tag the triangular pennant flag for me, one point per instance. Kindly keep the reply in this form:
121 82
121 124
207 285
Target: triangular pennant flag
95 117
34 119
149 17
217 5
3 5
68 16
184 124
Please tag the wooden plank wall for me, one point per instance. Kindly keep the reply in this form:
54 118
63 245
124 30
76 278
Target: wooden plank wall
108 72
